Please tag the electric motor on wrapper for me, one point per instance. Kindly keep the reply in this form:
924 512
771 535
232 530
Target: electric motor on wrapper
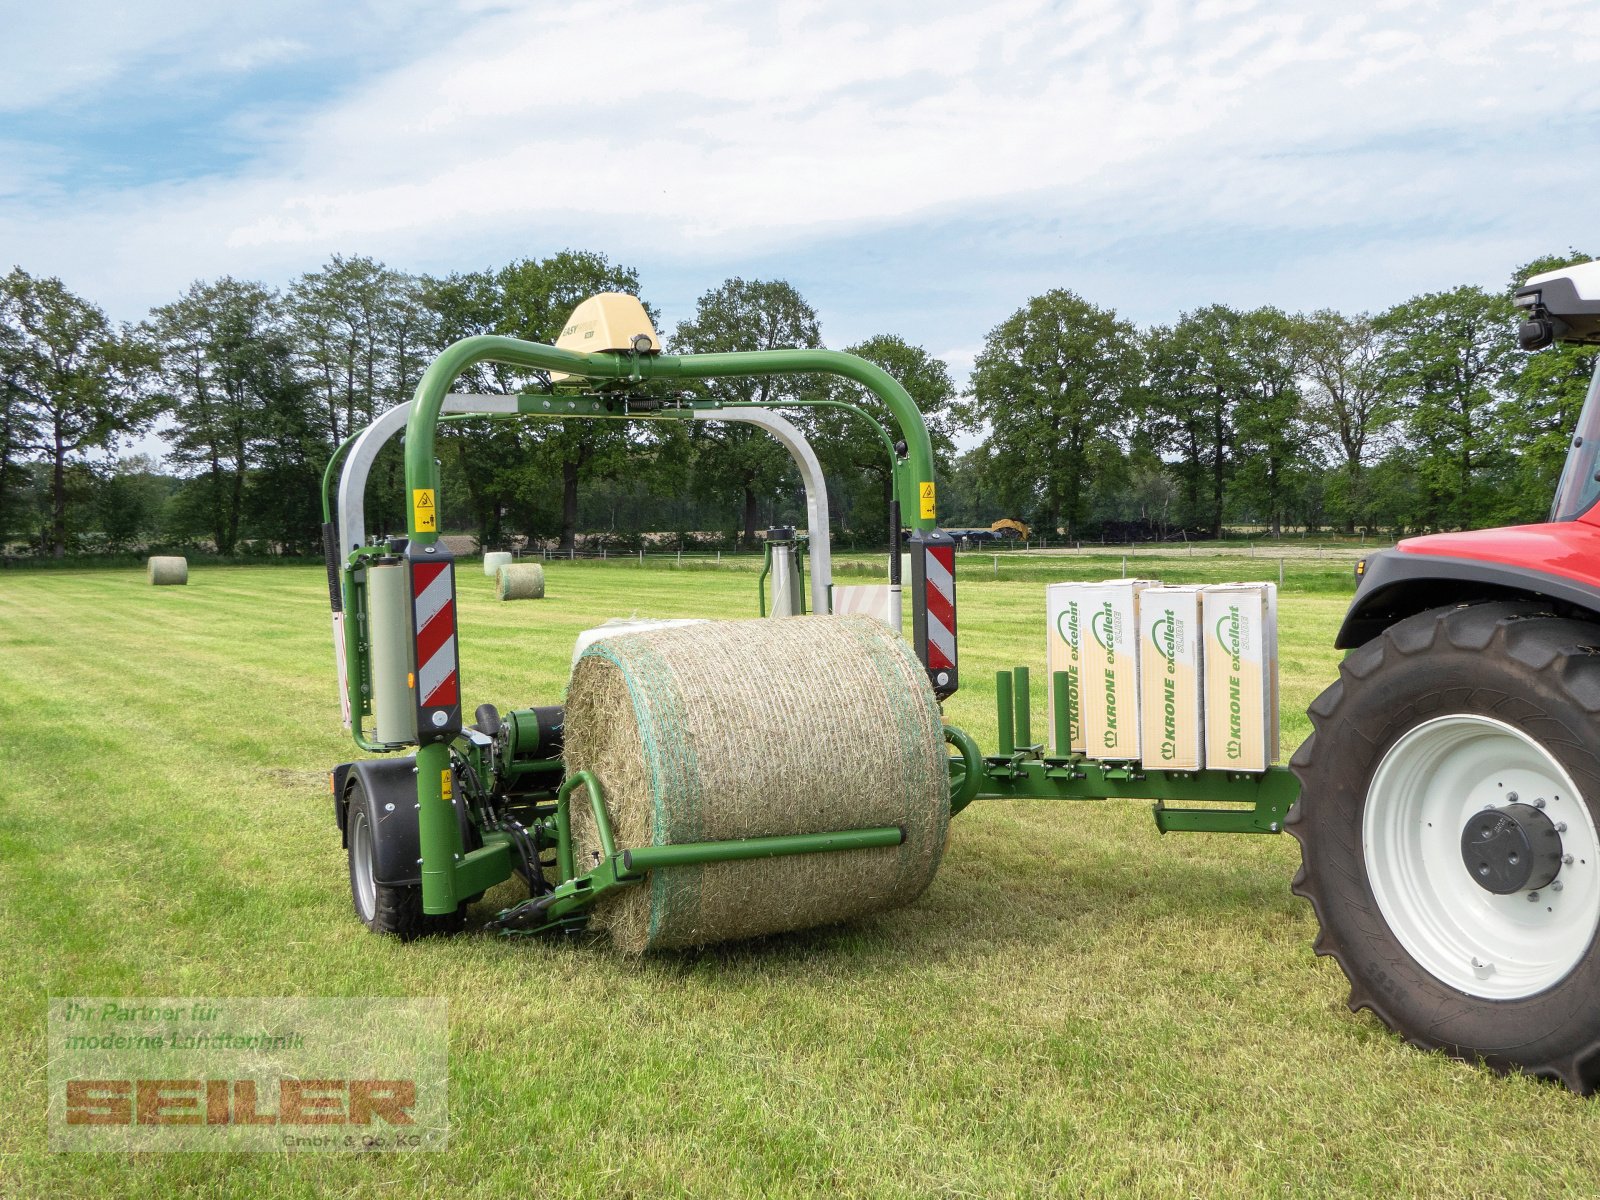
757 728
167 570
519 581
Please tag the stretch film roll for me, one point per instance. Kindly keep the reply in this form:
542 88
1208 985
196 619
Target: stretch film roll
394 708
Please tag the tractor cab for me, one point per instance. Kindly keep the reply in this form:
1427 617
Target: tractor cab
1564 306
1561 305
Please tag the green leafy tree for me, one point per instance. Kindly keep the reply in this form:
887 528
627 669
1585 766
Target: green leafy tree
361 335
1270 435
746 315
1151 492
1340 358
75 383
1055 382
1447 359
1195 381
467 304
965 497
16 425
284 495
858 465
217 349
129 499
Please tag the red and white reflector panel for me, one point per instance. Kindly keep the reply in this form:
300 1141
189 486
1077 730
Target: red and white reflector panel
933 612
438 679
435 605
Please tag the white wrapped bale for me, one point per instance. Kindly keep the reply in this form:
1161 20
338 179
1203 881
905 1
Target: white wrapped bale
494 560
166 570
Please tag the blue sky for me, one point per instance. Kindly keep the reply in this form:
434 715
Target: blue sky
919 169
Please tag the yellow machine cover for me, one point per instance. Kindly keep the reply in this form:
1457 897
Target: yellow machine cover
608 321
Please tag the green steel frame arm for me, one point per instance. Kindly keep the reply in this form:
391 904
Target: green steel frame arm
1269 794
422 472
567 906
327 474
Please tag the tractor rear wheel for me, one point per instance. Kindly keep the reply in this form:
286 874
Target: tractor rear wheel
1450 802
394 909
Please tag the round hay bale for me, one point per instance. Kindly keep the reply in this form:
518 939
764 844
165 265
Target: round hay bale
738 729
494 560
167 570
519 581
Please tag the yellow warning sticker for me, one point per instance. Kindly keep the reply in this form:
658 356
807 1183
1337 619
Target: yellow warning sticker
927 513
424 513
446 785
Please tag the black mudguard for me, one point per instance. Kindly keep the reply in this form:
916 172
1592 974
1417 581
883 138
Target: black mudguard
1397 585
391 784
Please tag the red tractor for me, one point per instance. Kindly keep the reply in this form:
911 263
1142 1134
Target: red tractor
1449 819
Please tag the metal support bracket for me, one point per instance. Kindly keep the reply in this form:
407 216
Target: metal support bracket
1268 795
566 908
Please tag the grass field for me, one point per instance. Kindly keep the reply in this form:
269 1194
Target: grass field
1077 1007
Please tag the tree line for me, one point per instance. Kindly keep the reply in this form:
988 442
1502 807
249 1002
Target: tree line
1425 416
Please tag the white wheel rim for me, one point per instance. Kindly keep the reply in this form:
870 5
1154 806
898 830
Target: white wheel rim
1428 785
361 866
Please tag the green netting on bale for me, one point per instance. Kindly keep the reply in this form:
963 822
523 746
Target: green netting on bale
750 729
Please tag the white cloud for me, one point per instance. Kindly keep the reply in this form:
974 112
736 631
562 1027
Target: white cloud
85 51
261 52
712 131
960 360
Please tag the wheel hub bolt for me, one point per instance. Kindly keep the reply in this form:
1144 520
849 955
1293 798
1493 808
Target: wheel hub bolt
1533 896
1556 886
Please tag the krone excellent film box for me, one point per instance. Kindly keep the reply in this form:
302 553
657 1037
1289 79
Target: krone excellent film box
1241 674
1063 604
1170 716
1109 658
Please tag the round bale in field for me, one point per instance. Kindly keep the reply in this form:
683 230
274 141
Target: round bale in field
494 560
519 581
166 570
737 729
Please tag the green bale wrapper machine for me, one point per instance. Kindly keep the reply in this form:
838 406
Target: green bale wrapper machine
454 808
